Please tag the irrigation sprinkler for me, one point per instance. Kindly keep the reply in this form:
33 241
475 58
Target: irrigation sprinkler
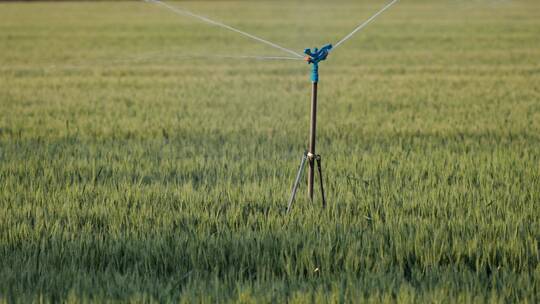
313 57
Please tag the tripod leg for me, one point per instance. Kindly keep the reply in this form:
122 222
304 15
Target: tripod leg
319 166
297 181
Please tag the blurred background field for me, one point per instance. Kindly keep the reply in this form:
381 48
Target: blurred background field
136 165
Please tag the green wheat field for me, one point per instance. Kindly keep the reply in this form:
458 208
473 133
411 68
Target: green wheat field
139 164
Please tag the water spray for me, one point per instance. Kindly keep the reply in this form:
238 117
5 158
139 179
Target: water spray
185 12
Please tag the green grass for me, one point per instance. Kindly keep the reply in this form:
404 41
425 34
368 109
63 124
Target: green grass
166 179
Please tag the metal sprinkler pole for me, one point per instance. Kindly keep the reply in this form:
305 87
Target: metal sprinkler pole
312 138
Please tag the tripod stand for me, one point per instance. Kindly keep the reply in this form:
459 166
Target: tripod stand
311 158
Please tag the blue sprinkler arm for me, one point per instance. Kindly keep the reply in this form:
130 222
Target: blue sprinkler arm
314 57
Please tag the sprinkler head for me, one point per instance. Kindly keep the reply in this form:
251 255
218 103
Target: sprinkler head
315 56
